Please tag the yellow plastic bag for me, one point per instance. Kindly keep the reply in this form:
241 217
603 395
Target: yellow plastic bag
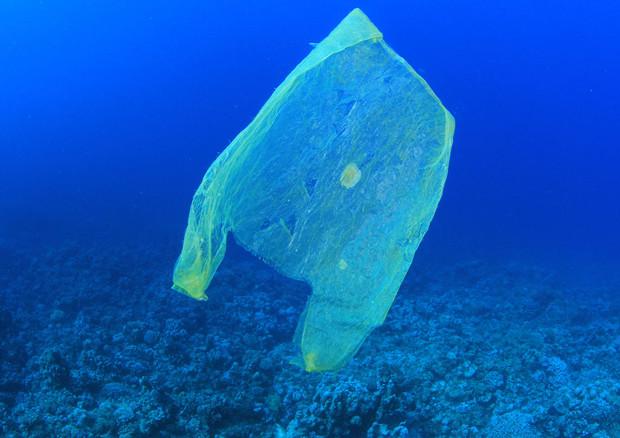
334 182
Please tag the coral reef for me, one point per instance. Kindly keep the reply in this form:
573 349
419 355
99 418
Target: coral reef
93 343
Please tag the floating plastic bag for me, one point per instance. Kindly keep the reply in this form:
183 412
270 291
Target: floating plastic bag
334 182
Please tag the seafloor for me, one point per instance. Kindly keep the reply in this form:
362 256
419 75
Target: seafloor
94 343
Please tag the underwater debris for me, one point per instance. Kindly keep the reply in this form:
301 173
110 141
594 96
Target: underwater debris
353 115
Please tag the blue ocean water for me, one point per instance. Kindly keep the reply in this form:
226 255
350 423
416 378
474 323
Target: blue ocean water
508 323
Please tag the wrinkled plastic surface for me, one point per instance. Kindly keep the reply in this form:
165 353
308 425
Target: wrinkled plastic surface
334 182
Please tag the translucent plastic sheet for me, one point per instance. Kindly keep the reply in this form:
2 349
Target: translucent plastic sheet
334 182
